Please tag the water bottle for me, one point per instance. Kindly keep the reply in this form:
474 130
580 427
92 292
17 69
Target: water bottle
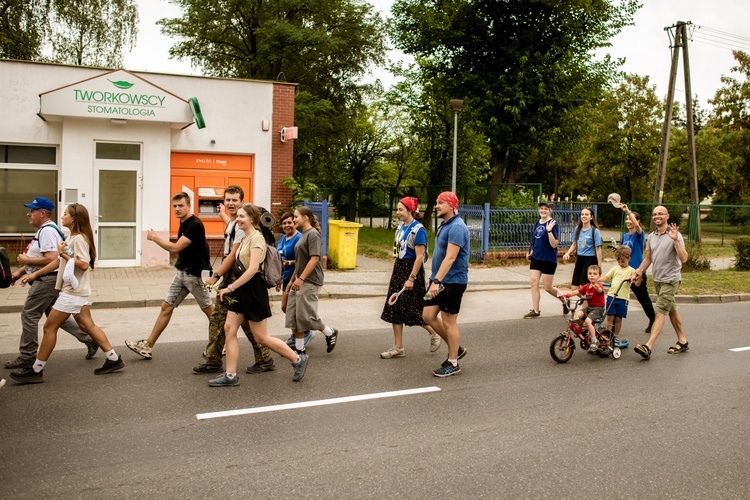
427 295
69 250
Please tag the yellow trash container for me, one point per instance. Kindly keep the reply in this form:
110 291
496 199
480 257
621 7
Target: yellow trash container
342 244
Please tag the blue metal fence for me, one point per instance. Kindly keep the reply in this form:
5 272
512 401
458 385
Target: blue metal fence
496 229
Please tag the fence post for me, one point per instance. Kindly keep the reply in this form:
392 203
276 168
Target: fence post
324 227
485 232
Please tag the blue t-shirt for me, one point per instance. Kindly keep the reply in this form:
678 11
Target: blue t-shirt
586 244
636 242
286 249
453 231
540 247
404 251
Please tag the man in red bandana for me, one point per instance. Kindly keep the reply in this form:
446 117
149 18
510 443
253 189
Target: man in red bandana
450 275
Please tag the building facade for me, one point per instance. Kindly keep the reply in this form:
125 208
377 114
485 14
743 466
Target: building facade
121 143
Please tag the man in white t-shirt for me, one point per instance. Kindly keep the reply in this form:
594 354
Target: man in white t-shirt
41 277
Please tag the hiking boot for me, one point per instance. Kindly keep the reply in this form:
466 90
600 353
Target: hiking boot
331 340
300 367
224 381
110 366
435 341
19 362
532 314
91 348
139 347
208 368
28 376
461 352
393 352
261 366
446 370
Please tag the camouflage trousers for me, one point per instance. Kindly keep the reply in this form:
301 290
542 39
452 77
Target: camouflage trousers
216 337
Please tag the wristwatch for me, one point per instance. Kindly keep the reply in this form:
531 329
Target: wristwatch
215 275
437 281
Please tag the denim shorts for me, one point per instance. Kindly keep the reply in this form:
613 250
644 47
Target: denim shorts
184 283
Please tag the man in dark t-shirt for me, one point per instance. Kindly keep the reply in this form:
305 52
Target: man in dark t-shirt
192 259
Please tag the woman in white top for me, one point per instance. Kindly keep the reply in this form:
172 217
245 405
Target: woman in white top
77 256
248 299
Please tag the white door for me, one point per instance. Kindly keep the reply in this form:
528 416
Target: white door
118 174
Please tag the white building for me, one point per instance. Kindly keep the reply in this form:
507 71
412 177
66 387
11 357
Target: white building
121 143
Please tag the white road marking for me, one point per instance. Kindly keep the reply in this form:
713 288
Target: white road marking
738 349
319 402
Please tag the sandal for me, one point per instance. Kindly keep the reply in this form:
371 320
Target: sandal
678 348
643 350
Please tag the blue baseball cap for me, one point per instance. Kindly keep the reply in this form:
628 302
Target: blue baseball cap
40 202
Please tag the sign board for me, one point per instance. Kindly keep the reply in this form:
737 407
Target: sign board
118 94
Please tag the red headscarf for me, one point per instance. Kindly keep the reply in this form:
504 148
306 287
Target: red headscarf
449 199
411 204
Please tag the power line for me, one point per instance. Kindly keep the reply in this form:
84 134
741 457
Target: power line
731 35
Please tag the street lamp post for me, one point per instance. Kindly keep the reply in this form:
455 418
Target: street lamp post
456 105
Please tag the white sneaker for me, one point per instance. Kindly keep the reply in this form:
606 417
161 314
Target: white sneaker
593 347
435 341
393 352
139 347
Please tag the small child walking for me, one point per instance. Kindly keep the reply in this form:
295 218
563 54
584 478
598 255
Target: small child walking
619 293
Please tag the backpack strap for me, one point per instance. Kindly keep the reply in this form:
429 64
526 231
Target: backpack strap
53 225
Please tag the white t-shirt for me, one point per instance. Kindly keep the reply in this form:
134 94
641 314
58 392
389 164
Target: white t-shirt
45 240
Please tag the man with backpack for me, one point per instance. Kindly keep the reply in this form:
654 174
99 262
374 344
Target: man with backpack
39 269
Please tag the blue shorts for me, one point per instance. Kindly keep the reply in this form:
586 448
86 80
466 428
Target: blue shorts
619 308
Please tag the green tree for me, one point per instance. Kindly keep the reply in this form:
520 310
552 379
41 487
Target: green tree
624 141
22 27
92 33
325 47
521 65
729 133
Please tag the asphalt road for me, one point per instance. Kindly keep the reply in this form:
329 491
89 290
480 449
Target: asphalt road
514 424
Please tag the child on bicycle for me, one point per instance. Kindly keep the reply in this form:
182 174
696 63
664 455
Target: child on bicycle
593 294
619 293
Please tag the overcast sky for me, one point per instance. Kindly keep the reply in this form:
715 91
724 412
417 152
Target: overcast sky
719 27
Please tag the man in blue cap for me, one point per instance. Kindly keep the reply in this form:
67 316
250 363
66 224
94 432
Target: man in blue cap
40 261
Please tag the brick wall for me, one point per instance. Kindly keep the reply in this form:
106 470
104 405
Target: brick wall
282 153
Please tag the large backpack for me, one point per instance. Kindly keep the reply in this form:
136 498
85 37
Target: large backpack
272 270
6 273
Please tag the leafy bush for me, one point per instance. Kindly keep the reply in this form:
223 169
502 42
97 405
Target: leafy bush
696 260
742 257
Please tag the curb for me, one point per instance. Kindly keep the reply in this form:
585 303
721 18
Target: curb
479 287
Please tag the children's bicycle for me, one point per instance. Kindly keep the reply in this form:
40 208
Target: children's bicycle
561 348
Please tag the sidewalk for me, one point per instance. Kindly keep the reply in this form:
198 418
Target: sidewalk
141 287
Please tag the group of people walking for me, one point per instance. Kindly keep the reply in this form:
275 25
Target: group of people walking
664 251
58 272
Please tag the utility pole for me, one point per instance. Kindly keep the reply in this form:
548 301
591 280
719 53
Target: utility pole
680 42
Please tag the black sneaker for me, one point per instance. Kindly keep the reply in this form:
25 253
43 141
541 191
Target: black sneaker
331 340
19 362
461 352
648 328
28 376
110 366
260 367
91 348
208 368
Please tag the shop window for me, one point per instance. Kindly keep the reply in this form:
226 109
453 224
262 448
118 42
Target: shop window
118 151
20 186
32 155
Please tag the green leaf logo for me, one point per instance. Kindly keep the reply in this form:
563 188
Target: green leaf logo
121 84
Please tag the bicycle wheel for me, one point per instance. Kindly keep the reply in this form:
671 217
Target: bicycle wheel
561 348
